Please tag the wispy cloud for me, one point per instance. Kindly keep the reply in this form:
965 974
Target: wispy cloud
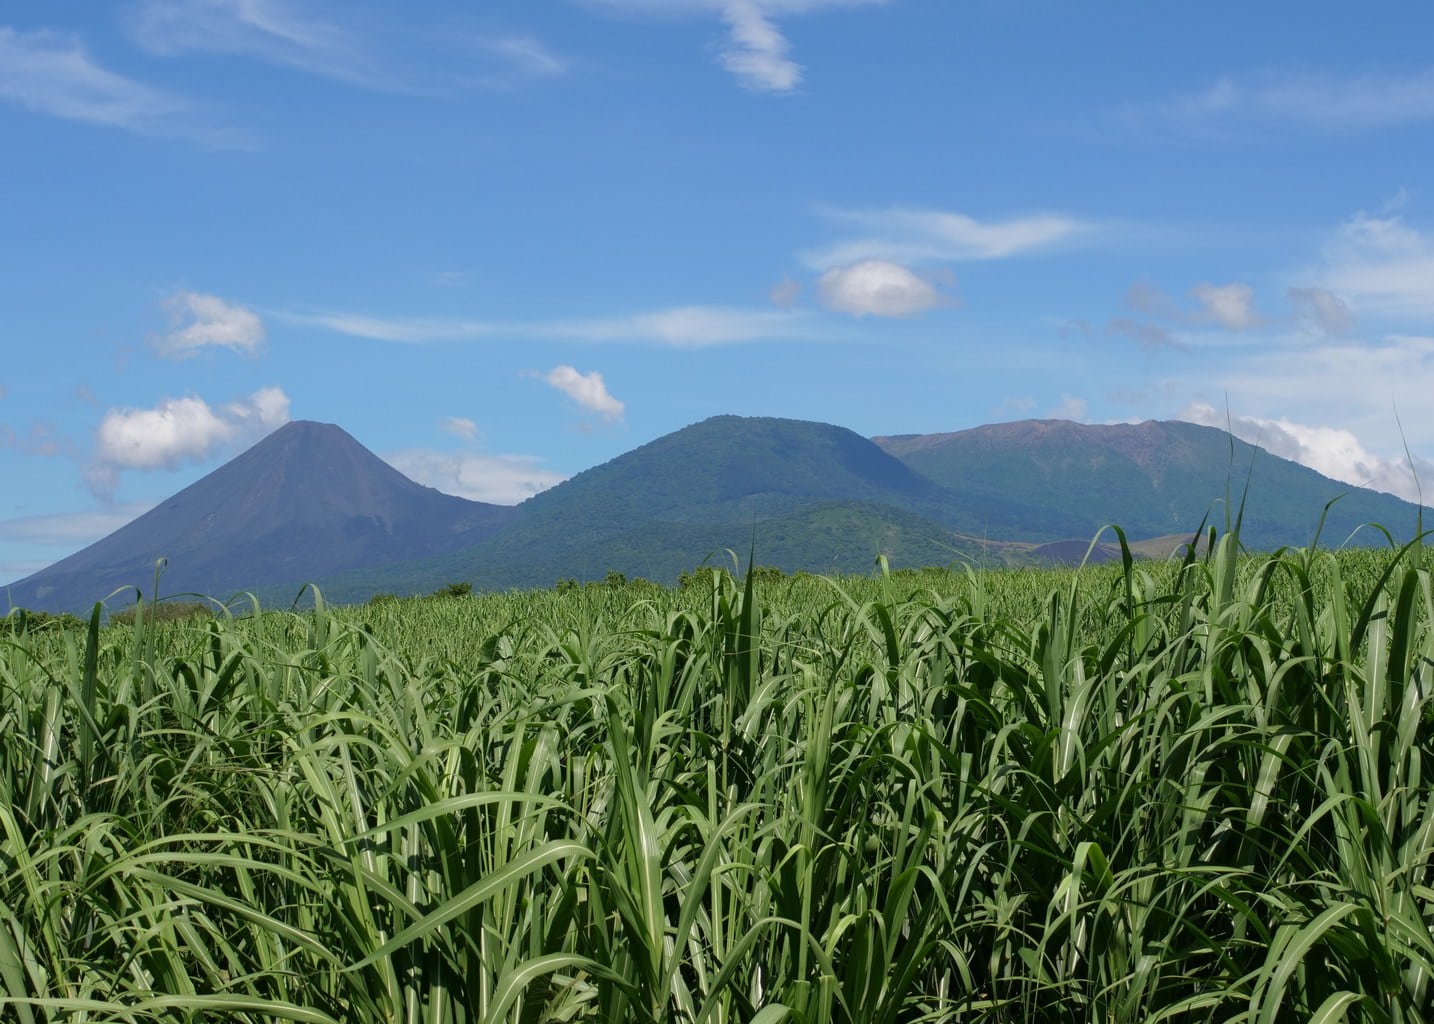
1325 102
363 50
756 51
1381 265
52 73
586 389
1069 407
1149 336
459 426
41 438
408 330
785 293
200 321
275 31
1350 379
47 538
682 327
1321 309
908 236
527 56
71 529
679 327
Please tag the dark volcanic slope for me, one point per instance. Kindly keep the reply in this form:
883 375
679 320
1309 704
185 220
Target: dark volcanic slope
305 502
1151 478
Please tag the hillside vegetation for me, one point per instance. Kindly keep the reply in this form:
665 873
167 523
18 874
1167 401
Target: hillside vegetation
1168 791
1153 478
309 503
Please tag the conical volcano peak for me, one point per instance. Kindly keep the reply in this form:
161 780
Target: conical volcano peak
306 501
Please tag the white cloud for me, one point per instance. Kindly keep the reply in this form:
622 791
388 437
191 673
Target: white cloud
1333 451
877 288
1322 308
52 74
199 321
1230 305
756 51
497 479
179 430
264 410
587 389
906 235
1381 265
459 426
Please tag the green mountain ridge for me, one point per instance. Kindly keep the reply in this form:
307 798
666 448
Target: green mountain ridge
1152 478
796 495
1007 494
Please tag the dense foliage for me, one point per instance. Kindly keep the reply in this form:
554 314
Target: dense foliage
1167 792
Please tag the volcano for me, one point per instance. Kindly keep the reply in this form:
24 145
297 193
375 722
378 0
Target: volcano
307 501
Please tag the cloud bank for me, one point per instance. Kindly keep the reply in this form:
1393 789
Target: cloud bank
1335 452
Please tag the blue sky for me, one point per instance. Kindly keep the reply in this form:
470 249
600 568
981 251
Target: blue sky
502 242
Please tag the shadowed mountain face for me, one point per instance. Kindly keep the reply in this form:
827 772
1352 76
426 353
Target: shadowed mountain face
1151 479
306 502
